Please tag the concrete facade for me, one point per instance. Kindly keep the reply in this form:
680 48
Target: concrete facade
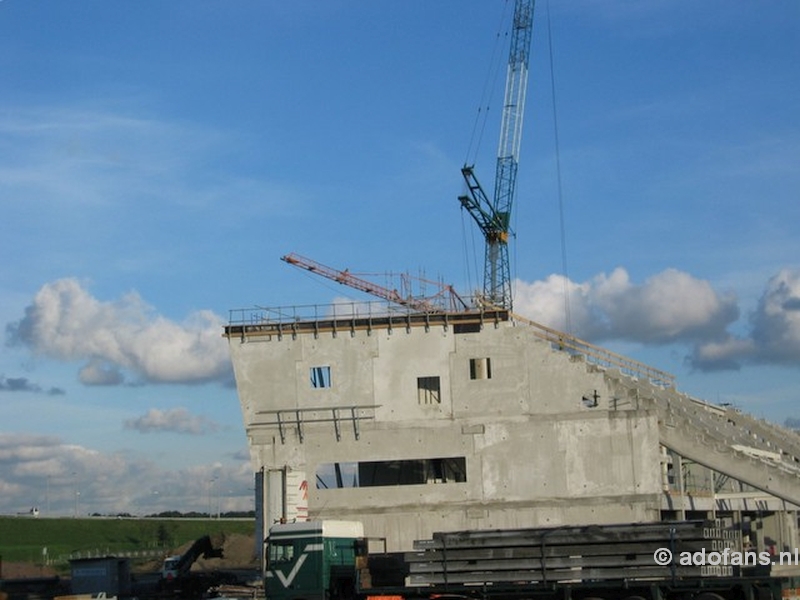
539 442
428 423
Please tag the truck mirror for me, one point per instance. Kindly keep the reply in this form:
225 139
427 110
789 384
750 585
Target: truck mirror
360 547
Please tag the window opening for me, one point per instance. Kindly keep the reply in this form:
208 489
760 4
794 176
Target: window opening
320 377
591 400
428 391
384 473
480 368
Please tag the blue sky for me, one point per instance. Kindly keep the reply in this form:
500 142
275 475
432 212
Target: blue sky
156 160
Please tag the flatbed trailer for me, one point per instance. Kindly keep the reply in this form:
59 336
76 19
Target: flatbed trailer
722 588
684 560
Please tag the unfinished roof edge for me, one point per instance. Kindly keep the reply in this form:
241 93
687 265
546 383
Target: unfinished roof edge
349 318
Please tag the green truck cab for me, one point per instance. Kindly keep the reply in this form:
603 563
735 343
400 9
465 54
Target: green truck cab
312 560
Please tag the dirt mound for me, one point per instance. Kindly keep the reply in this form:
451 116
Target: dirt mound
25 570
238 551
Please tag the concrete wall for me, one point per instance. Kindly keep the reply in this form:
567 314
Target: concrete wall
537 450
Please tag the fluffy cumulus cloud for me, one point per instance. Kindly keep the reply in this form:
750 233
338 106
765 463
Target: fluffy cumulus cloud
776 322
774 335
178 420
724 354
669 307
66 322
672 307
60 478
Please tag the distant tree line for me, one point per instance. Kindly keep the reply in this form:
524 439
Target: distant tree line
176 514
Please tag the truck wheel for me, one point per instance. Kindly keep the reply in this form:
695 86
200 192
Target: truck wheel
708 596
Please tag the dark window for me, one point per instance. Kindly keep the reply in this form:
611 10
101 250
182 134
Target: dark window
280 551
428 391
590 401
392 472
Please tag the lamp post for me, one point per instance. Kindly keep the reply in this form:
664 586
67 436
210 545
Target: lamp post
77 492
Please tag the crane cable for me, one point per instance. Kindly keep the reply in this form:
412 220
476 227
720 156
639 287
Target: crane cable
489 84
562 223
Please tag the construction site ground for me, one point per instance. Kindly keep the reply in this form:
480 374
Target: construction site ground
238 549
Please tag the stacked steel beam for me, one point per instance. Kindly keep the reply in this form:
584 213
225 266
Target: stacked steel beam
561 554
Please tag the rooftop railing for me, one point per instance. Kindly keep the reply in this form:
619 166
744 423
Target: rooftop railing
260 315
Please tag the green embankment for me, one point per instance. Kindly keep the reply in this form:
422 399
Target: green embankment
25 539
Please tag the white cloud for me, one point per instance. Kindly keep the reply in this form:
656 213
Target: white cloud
672 306
178 420
776 322
100 372
46 472
544 301
67 323
774 336
725 354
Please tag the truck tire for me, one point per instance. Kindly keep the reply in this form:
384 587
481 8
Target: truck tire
708 596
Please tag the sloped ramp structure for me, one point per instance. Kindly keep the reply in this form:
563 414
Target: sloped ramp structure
760 454
732 443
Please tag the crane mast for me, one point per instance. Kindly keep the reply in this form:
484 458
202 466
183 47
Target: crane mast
493 217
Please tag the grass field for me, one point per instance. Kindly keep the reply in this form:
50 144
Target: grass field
24 539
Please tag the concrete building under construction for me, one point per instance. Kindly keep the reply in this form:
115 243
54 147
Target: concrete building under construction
415 418
414 422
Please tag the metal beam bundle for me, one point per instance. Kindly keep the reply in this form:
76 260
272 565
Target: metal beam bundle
561 554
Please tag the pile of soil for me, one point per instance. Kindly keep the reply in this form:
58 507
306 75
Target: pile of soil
25 570
238 553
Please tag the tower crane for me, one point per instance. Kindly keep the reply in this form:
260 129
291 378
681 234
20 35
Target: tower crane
493 216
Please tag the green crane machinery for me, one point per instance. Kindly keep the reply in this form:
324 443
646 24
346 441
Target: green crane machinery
493 216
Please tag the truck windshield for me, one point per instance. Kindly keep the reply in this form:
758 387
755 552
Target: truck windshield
281 551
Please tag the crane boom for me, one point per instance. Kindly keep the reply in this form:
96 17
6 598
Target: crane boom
446 299
493 217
